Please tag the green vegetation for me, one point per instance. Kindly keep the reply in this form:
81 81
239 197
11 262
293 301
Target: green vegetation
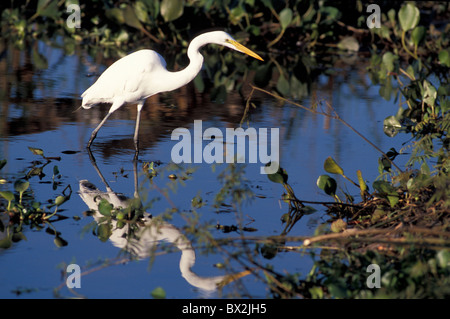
400 221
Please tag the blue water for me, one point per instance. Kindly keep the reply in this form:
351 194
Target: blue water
46 119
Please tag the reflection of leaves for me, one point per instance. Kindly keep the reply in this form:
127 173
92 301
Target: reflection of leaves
39 60
349 44
391 126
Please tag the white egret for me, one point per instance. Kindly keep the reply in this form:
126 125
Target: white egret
141 74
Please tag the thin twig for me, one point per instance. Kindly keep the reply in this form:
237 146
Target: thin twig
335 117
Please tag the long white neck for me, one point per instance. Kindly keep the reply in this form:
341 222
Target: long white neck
180 78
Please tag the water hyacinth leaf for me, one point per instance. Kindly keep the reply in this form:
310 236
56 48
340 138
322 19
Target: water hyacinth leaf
158 293
391 126
348 44
60 200
285 17
408 16
444 57
115 14
9 196
21 185
393 199
388 60
283 86
307 210
327 184
443 258
131 19
332 167
383 187
59 242
429 94
36 151
48 8
237 14
280 176
269 251
361 182
6 242
39 60
140 10
418 34
171 9
104 232
338 225
105 208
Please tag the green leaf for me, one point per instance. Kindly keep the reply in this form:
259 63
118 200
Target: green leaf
21 185
59 242
105 208
131 19
48 8
408 16
283 86
384 188
332 167
389 61
327 184
338 225
280 176
158 293
429 94
140 9
172 9
9 196
285 17
361 182
60 200
391 126
6 242
348 44
237 14
418 34
443 258
444 58
36 151
104 232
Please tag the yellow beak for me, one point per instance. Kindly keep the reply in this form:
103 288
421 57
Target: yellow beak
241 48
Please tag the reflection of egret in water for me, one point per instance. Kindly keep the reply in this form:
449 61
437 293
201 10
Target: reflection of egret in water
141 238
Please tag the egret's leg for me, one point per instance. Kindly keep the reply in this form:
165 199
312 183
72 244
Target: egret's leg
136 130
94 132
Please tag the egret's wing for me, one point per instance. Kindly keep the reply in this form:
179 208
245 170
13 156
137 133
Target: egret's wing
127 79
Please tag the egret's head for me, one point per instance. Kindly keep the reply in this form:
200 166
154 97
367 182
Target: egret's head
233 44
223 38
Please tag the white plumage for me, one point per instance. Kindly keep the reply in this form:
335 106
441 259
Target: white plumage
141 74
